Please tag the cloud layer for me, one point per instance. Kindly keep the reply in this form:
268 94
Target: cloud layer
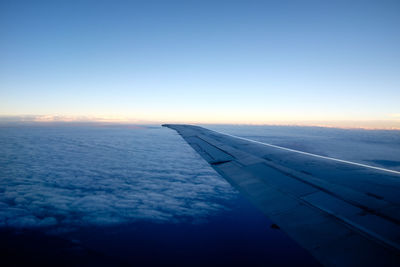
82 176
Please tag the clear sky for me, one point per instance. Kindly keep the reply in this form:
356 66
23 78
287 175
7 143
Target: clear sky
293 62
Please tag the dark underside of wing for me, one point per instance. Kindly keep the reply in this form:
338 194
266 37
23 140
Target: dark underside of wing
343 213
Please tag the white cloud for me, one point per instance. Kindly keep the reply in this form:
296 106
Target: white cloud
76 176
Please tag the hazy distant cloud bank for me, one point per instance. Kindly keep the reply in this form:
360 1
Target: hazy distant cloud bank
69 119
73 176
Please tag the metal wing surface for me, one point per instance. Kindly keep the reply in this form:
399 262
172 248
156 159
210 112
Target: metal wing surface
343 213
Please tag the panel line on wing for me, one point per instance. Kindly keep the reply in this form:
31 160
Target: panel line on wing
313 155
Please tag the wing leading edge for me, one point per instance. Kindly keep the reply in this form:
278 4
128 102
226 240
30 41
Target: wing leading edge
343 213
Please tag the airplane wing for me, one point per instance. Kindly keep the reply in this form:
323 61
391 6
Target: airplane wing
343 213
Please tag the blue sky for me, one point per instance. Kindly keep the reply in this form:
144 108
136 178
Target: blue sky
288 62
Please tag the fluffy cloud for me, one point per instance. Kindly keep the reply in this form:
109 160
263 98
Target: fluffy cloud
79 176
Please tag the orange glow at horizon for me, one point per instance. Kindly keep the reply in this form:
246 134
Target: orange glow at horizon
392 122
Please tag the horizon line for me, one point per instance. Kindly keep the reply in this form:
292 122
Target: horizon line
62 119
